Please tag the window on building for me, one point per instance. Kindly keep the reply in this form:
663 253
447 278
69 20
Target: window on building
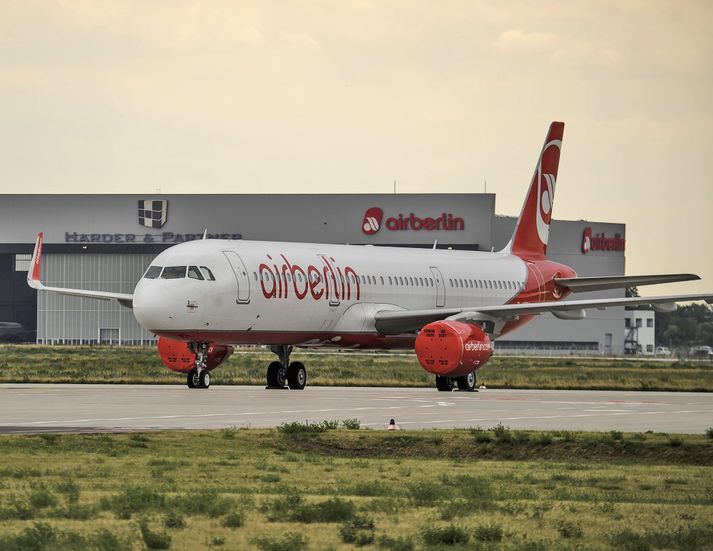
650 322
627 323
649 347
22 262
638 322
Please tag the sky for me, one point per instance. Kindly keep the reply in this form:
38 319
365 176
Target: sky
311 96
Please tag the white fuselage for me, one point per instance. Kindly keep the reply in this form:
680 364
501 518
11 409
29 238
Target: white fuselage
312 294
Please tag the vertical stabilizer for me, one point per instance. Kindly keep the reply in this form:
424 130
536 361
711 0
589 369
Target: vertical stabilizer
533 227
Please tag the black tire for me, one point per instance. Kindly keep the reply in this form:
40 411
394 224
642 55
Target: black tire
296 376
192 379
467 382
276 375
444 384
205 380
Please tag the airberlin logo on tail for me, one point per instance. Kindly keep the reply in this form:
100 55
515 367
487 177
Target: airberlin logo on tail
372 220
404 222
600 242
546 190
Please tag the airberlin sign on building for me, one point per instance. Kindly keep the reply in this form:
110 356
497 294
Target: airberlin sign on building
374 216
600 242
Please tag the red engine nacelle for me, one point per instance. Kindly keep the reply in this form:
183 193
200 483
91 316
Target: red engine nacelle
177 356
452 348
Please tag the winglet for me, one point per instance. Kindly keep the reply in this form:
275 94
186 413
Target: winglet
33 275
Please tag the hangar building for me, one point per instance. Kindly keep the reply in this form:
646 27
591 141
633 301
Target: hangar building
107 241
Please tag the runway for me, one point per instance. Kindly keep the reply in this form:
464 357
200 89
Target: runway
35 408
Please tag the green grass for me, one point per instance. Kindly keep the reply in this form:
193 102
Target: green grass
347 489
70 364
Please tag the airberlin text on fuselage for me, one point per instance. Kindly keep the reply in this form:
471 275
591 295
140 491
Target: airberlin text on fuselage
279 278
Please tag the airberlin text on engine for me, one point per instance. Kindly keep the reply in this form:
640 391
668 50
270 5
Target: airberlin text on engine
280 279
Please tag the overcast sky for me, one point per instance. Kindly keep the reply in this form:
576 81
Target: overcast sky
346 96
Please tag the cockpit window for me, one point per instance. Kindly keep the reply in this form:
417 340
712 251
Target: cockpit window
195 273
207 273
153 272
173 272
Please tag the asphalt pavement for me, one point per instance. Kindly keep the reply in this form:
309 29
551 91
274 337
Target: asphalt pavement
35 408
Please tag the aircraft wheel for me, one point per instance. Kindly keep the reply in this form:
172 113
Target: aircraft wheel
204 380
192 379
296 376
444 384
467 382
276 375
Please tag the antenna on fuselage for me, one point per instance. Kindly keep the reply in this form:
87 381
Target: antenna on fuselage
435 243
205 234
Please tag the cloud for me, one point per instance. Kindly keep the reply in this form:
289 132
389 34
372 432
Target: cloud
517 40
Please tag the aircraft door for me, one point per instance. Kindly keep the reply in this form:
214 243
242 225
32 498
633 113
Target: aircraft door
440 287
241 276
333 282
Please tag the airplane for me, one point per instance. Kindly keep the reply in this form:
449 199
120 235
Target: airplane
202 298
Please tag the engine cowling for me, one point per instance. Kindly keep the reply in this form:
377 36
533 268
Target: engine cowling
177 355
452 348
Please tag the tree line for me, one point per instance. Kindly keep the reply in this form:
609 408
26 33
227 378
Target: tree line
687 326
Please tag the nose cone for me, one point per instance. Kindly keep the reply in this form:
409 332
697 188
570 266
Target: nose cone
155 307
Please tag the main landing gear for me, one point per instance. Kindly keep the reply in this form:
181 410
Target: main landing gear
199 377
465 383
283 371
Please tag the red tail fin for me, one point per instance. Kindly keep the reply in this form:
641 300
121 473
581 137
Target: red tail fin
533 227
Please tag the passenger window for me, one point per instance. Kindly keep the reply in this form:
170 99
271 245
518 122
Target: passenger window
153 272
390 280
381 278
173 272
195 273
207 273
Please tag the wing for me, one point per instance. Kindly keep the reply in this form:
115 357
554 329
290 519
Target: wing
33 280
404 321
603 283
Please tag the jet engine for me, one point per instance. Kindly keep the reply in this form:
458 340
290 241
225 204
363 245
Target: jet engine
452 348
177 355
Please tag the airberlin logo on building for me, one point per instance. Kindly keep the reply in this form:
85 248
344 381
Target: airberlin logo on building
404 222
600 242
372 220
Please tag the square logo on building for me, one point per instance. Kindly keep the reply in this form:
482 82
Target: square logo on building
153 214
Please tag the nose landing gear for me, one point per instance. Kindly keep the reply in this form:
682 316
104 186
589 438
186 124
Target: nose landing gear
199 377
283 371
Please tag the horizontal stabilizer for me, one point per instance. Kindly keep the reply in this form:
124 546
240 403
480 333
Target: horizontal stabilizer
602 283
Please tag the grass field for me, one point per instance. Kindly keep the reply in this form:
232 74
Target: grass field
311 487
66 364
